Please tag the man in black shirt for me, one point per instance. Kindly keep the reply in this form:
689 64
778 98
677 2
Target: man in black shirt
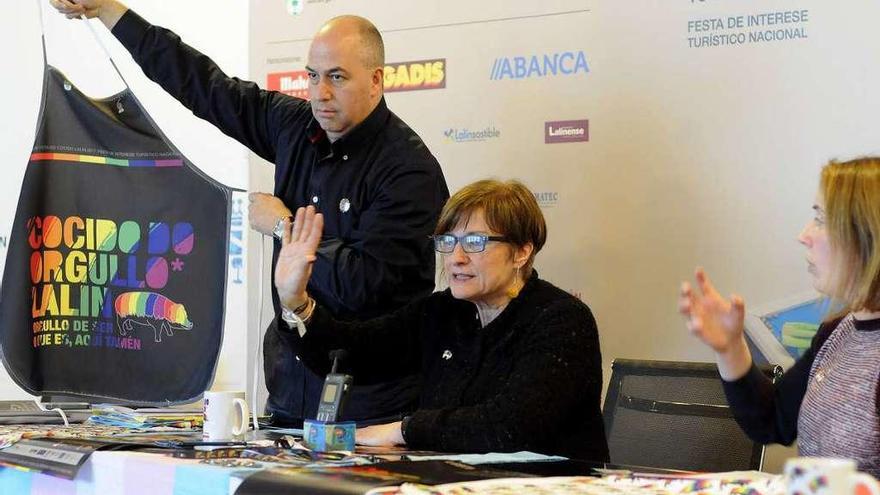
344 152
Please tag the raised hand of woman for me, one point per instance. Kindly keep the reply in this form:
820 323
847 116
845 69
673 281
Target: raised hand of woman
718 322
299 244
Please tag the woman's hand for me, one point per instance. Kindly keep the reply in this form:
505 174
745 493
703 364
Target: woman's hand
298 246
380 435
717 322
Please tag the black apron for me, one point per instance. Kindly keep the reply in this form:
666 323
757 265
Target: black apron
115 274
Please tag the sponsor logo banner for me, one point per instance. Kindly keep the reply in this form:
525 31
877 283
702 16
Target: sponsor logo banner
547 199
539 65
417 75
566 131
402 76
466 135
294 83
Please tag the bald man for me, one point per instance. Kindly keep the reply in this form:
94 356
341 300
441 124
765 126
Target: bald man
344 152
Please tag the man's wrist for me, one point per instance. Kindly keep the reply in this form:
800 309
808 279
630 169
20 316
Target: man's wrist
111 12
278 230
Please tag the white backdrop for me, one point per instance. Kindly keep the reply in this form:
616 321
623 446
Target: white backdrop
696 154
704 142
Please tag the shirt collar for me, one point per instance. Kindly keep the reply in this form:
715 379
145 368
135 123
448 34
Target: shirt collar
867 325
354 138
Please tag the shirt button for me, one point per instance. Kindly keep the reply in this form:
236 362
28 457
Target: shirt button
315 199
345 157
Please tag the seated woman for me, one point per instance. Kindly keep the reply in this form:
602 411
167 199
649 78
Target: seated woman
508 361
829 399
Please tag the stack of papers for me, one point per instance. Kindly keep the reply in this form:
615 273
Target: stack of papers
185 417
10 434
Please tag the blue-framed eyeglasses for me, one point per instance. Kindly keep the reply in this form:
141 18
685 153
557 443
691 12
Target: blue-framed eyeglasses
470 243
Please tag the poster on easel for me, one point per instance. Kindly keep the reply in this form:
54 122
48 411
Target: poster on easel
783 330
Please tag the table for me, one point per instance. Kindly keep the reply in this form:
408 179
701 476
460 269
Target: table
134 472
126 472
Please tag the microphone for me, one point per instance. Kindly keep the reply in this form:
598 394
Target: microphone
325 434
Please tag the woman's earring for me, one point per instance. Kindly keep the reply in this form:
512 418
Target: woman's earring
513 290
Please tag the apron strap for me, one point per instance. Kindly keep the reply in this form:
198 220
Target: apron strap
88 23
42 31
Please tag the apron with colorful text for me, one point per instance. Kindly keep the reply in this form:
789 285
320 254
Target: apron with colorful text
116 267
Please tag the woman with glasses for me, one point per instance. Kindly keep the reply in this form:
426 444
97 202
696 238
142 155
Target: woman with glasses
508 361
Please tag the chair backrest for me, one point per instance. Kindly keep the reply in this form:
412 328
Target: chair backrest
674 415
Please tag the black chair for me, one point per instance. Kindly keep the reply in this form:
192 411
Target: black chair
674 415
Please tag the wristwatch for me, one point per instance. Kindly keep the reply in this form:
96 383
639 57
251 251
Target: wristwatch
278 231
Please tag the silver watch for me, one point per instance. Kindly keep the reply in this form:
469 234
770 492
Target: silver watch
278 231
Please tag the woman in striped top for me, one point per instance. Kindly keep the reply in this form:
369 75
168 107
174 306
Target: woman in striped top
828 400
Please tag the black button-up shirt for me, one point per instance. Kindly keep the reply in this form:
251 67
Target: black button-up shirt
379 188
380 191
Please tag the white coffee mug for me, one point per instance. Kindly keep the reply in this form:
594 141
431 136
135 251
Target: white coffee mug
827 476
226 416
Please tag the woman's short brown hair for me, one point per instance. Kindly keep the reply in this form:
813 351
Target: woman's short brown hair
851 192
509 208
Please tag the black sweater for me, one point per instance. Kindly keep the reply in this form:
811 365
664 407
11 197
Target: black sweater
530 380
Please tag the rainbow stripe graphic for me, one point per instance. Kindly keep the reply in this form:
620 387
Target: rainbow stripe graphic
102 160
151 305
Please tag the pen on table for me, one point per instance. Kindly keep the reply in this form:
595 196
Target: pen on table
183 445
214 444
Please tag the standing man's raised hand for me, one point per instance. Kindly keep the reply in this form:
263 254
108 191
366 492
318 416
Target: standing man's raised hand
108 11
